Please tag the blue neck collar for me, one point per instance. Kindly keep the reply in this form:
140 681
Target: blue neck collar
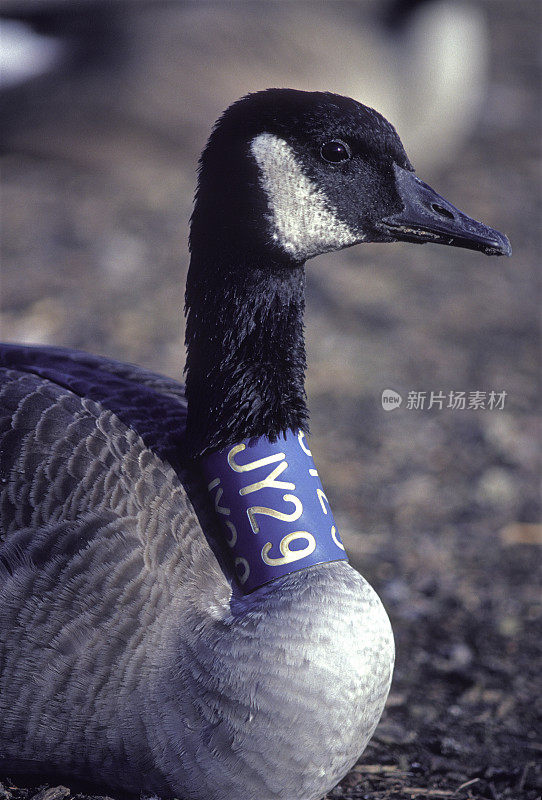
272 508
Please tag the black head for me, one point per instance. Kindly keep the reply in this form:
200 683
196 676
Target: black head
287 175
297 173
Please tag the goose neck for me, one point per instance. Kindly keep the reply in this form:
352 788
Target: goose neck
245 369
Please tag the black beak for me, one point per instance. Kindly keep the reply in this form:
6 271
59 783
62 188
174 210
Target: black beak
428 217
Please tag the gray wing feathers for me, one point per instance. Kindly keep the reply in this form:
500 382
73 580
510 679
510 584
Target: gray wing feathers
124 655
98 537
61 455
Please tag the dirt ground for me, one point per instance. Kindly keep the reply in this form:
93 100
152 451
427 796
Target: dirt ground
439 507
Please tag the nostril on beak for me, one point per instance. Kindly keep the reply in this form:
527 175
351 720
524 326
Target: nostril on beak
442 211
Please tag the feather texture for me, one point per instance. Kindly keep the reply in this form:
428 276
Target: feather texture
127 656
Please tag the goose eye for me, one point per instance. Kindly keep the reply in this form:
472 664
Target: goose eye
335 151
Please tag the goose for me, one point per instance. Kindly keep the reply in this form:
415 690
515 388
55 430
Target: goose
177 611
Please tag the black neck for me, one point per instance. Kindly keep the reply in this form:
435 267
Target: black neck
245 368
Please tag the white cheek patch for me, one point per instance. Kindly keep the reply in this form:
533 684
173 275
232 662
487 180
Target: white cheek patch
302 222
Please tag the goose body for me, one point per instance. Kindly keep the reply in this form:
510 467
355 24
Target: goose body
130 654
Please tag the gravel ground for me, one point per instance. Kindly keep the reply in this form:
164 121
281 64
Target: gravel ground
439 508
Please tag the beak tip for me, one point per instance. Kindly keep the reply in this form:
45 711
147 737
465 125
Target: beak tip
502 247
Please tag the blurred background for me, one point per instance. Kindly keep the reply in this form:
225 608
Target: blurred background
105 107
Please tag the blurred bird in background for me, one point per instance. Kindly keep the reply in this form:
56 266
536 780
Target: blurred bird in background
422 62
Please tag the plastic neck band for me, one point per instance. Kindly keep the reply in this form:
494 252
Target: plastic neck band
273 511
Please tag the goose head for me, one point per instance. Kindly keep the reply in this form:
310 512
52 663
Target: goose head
294 174
288 175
